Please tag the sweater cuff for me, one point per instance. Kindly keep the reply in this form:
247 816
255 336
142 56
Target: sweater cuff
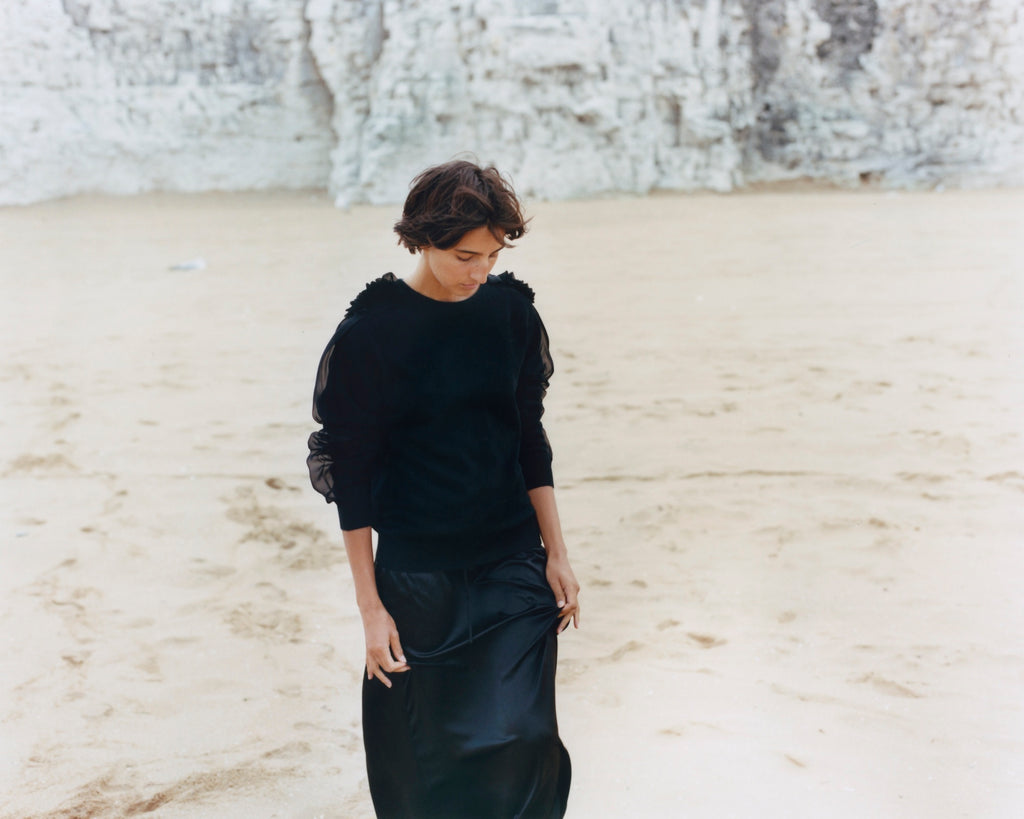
354 508
538 474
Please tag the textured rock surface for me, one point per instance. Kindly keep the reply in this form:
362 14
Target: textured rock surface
571 97
132 95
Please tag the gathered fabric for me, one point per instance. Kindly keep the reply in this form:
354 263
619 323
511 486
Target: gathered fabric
470 730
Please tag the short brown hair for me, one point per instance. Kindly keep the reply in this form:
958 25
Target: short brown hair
447 201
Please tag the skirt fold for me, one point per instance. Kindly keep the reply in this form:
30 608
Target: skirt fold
470 730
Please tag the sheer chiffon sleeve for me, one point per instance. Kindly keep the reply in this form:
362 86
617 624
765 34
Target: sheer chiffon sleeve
536 372
346 402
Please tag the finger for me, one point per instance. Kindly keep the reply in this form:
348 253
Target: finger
565 619
573 605
385 662
396 649
571 612
558 591
373 669
382 664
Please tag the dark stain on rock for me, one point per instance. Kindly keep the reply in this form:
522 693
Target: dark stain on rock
772 133
767 25
854 24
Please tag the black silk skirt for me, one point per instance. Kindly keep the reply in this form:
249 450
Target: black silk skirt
470 730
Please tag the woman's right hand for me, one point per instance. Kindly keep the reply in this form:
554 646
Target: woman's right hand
383 650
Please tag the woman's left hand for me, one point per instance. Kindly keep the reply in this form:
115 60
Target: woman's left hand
566 588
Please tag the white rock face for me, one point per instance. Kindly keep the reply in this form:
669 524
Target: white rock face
131 95
570 97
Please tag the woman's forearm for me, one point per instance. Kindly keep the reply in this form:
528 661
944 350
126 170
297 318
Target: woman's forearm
559 573
359 547
383 646
543 500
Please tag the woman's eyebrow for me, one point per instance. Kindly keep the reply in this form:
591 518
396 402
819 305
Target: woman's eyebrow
476 252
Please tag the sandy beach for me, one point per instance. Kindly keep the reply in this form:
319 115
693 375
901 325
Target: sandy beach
789 450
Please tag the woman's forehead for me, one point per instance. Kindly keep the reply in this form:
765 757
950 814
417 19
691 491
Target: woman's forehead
479 240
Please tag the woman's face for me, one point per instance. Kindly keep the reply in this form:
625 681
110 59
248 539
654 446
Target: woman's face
456 273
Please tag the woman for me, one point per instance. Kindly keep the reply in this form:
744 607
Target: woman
430 395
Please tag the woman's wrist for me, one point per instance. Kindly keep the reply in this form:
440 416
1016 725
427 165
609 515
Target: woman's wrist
371 607
556 550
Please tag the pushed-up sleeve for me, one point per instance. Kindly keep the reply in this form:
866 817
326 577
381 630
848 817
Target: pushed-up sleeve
537 368
346 401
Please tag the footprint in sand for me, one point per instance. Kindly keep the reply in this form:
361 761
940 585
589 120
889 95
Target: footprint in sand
114 503
122 794
653 518
779 536
150 666
75 605
292 750
40 464
804 696
210 572
278 625
76 660
621 651
1013 479
706 640
894 689
66 420
57 397
569 670
270 591
279 483
300 545
919 477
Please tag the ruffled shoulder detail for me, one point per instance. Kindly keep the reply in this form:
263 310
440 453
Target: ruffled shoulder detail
379 291
510 280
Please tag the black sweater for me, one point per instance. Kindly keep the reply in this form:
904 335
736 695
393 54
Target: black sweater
431 414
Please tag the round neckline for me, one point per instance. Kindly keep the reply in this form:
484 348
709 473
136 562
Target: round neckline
427 298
